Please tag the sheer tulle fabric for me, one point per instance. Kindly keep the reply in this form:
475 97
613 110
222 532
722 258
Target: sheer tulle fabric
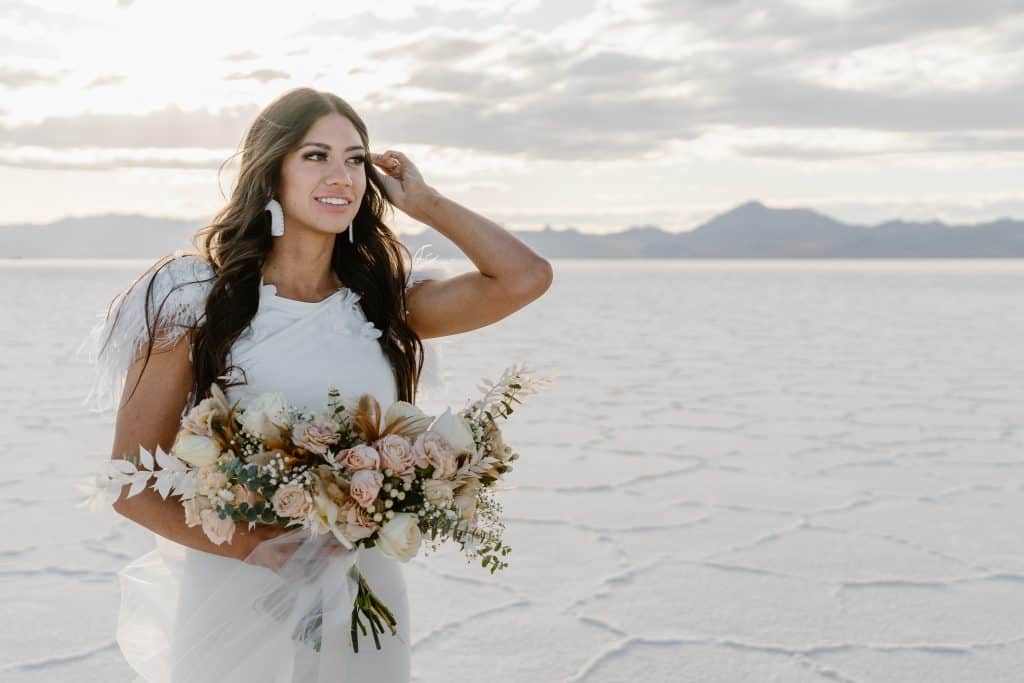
191 617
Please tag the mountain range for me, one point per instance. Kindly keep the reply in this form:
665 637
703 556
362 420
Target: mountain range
751 230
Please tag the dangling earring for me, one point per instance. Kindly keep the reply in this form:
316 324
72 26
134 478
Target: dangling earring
276 217
351 237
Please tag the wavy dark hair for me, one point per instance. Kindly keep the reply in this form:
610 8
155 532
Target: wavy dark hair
237 242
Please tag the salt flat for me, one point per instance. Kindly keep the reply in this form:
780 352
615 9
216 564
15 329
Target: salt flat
746 471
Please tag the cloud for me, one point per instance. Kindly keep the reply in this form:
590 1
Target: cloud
106 80
168 127
244 56
23 78
261 75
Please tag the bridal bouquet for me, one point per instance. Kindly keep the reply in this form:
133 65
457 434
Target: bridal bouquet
390 479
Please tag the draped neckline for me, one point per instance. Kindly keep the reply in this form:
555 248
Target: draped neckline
268 292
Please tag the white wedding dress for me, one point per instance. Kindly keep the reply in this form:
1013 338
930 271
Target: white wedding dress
195 617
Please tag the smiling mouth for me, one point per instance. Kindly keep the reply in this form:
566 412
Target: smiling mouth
340 203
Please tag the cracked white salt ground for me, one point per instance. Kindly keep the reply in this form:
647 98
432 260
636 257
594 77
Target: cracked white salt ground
719 487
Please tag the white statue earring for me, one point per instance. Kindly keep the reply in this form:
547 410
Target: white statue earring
276 217
351 237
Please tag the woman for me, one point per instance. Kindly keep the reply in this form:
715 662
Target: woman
274 301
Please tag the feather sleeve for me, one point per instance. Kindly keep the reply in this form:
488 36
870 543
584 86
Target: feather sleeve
427 267
174 304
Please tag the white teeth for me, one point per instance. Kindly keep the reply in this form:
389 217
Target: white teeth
332 200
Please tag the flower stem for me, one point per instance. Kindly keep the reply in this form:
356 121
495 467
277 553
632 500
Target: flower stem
374 610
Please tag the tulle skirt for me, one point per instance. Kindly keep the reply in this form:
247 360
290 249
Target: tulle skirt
188 616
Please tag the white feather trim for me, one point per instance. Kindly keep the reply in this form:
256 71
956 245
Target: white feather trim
115 340
427 267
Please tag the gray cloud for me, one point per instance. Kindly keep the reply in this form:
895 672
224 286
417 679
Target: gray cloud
106 80
923 144
526 95
22 78
244 56
109 164
168 127
261 75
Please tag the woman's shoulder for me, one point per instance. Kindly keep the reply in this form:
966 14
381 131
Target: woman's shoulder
161 305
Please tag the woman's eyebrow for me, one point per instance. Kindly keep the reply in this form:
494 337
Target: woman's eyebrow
326 146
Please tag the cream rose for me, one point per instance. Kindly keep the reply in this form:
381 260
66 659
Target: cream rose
291 501
400 538
315 436
365 485
193 506
265 416
361 457
210 480
216 529
396 454
437 490
200 419
194 449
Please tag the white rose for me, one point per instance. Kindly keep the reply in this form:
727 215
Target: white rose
265 416
455 431
400 538
194 449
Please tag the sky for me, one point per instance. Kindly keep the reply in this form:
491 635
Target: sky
593 114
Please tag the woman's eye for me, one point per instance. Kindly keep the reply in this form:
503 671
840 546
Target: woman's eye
360 159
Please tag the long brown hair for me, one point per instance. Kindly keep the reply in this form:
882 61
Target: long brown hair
237 242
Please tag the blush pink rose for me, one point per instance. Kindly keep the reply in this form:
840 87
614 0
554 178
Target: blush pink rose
316 436
361 457
365 485
396 454
426 444
291 501
356 523
433 449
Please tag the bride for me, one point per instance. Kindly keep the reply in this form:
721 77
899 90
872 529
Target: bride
273 301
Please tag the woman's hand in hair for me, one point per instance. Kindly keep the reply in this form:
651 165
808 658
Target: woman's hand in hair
404 183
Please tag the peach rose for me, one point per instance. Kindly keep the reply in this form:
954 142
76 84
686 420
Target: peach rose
315 436
396 454
361 457
242 494
365 485
217 530
291 501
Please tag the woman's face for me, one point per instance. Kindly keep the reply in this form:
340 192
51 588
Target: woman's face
328 162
